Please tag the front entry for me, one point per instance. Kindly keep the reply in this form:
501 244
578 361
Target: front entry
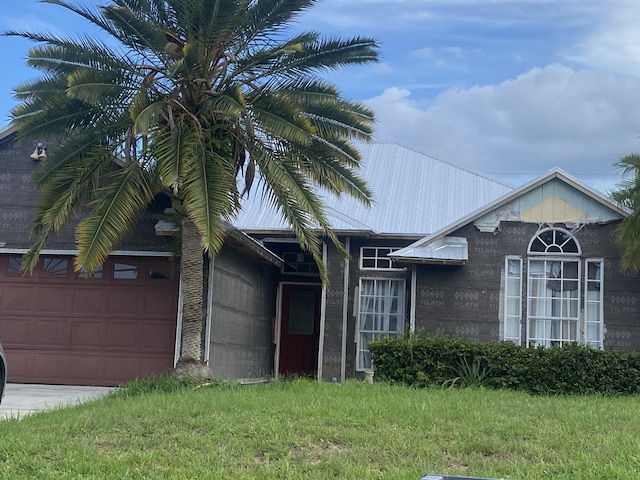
299 329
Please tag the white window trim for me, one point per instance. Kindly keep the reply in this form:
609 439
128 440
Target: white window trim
515 295
390 269
600 301
553 254
402 313
566 258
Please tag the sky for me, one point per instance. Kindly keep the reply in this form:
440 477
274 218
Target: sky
508 88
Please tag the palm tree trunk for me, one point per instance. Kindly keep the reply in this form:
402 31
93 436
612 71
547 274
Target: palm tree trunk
191 273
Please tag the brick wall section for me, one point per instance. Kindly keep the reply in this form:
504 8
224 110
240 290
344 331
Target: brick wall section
243 307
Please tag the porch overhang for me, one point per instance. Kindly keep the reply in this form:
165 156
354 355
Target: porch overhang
442 251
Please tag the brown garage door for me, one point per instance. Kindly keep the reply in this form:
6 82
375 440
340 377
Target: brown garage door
59 327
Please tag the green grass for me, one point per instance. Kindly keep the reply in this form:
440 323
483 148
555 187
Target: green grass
301 429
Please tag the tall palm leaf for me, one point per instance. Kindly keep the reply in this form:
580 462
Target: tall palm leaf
185 97
628 196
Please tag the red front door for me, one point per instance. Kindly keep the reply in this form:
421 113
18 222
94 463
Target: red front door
299 329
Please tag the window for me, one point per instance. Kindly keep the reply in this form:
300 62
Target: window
125 271
564 294
513 299
15 265
299 263
593 313
553 303
55 267
380 314
97 274
375 258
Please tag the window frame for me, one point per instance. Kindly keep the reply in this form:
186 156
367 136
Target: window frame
376 258
517 296
599 344
383 333
572 319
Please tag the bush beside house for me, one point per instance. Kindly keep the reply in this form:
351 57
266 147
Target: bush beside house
423 360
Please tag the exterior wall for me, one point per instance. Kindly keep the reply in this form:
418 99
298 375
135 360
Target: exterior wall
335 301
19 198
333 326
465 300
243 308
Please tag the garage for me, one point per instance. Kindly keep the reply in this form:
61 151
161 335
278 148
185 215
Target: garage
63 327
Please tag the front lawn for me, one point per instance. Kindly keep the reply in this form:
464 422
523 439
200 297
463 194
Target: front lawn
305 430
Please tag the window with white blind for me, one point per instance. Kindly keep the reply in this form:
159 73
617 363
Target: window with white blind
380 314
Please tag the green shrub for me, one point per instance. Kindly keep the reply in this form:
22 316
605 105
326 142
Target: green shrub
423 360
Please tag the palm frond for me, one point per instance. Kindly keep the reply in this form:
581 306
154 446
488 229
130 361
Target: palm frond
209 191
127 191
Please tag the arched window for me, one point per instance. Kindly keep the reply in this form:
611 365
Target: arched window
554 241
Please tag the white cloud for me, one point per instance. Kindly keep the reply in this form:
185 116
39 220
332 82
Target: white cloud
580 121
613 44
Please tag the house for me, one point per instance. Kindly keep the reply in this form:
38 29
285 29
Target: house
324 332
538 266
62 327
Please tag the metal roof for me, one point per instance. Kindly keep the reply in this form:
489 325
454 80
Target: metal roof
413 195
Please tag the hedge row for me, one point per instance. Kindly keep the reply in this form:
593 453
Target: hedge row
422 360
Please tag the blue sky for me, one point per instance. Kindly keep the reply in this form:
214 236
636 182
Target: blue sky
509 88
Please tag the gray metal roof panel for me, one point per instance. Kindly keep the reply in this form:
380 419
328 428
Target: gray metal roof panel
413 194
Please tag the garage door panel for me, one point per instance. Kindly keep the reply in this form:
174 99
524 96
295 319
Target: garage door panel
59 328
88 301
18 298
85 368
117 367
122 335
87 334
54 365
15 331
157 337
20 364
155 364
157 302
52 299
51 332
123 302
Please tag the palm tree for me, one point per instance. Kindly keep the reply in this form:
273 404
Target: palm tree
628 197
190 98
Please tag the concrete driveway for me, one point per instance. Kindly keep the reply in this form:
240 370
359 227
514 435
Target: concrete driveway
23 399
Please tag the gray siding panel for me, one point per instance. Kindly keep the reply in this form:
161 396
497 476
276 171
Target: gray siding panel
19 198
243 307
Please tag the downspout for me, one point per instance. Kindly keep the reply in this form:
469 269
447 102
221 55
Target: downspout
276 357
178 348
209 316
345 312
323 312
412 306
